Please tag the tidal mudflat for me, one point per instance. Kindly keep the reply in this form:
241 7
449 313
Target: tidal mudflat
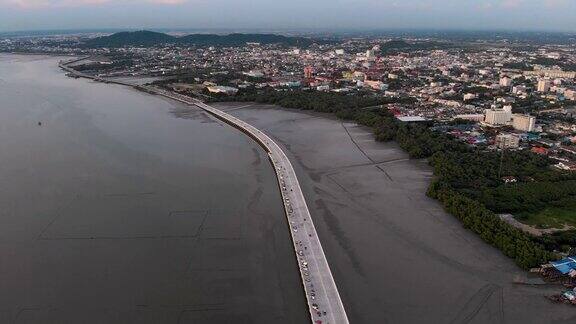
396 256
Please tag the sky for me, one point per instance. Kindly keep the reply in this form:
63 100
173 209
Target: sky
556 15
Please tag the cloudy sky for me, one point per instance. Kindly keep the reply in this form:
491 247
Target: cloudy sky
290 14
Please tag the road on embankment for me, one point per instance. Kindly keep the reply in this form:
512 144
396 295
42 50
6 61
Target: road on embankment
323 298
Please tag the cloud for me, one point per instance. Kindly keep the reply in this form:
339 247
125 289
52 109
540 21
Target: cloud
168 2
36 4
555 3
272 14
512 4
31 4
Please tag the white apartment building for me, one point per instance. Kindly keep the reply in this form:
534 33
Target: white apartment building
498 117
543 86
551 73
525 123
506 141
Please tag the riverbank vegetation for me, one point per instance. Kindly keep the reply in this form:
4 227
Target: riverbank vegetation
469 181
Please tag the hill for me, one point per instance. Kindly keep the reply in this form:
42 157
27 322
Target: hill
149 39
400 45
395 44
241 39
139 38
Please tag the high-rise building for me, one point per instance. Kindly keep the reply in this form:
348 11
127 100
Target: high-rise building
308 72
543 86
505 81
498 117
506 141
525 123
551 73
370 53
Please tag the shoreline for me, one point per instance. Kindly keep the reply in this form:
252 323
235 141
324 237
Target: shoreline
324 302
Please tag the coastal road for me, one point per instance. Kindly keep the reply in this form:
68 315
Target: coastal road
323 299
324 302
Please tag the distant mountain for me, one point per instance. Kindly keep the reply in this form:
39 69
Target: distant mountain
241 39
399 45
395 44
148 38
139 38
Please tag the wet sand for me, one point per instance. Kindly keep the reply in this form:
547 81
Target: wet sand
397 257
123 207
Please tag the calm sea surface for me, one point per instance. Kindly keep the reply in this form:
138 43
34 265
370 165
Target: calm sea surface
122 207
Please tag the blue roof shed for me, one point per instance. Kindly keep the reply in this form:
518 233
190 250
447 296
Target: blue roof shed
565 265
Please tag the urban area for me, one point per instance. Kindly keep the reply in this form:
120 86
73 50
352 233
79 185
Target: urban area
495 116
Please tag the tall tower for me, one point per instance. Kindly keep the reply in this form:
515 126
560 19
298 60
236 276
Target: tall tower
543 85
308 71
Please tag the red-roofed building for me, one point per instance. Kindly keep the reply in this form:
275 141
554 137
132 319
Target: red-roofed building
540 150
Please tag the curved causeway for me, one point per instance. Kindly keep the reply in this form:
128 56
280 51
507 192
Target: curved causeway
322 295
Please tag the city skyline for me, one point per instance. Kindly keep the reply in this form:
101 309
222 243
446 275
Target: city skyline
546 15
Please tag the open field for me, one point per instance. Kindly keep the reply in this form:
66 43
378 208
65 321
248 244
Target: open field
552 217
